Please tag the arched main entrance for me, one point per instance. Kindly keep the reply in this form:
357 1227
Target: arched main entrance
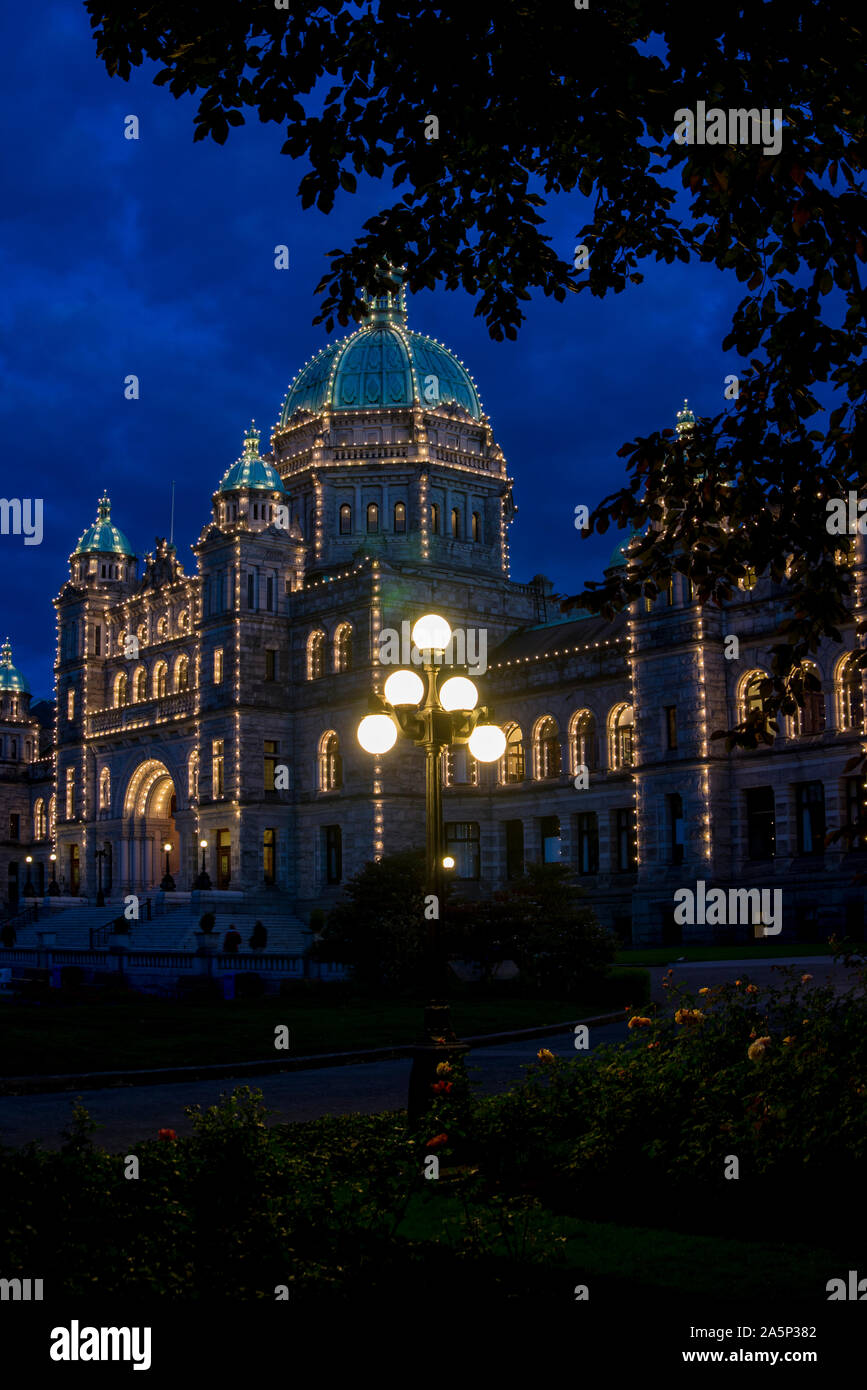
149 824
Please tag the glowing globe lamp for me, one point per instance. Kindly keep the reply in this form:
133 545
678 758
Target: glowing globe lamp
458 693
404 688
377 733
431 633
487 743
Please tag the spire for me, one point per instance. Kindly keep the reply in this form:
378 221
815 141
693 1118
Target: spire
251 442
388 306
104 507
6 653
685 420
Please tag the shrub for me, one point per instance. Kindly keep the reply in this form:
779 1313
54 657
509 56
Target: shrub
379 930
207 922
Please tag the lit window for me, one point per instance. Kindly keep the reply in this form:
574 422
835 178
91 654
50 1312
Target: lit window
582 740
346 520
622 730
514 755
343 648
372 518
217 766
70 793
330 763
315 656
851 695
218 665
400 518
70 703
548 753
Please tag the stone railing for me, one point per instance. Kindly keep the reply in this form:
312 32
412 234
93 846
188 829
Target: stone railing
144 712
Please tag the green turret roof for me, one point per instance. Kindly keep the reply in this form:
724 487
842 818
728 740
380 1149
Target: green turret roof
251 471
103 537
10 677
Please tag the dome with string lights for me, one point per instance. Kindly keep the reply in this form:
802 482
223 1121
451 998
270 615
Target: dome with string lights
251 471
382 364
10 677
103 536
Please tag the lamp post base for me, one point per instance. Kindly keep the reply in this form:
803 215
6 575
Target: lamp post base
439 1043
167 884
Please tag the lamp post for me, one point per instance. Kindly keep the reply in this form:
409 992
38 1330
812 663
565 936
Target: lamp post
28 890
100 896
434 718
54 886
168 883
203 880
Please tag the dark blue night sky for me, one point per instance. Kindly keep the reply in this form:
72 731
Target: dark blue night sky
156 257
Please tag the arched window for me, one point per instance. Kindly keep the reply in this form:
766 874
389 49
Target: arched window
850 694
143 634
184 621
104 789
120 689
160 680
52 812
621 728
182 672
400 518
582 741
163 628
476 527
513 758
39 820
810 719
751 693
343 648
456 523
315 656
346 520
140 685
193 773
547 748
372 518
330 763
435 518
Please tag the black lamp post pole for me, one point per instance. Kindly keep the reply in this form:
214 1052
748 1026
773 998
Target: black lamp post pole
438 1042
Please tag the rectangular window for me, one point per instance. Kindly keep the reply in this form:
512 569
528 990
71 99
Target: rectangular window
588 843
675 827
761 823
514 848
856 809
206 598
810 807
671 725
462 843
70 793
624 827
269 586
270 664
550 831
70 703
217 766
333 848
270 764
14 826
97 641
251 591
218 665
669 593
269 855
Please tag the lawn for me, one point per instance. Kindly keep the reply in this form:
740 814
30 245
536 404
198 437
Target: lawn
139 1032
765 950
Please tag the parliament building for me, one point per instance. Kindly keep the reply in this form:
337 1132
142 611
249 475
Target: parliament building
221 704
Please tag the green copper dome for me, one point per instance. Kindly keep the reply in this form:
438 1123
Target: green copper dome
250 471
10 677
103 536
380 365
620 553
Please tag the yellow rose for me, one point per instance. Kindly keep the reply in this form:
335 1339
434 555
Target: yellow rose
544 1055
755 1050
443 1069
639 1022
705 989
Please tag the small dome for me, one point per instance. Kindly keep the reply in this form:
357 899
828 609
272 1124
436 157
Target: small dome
382 364
685 419
620 553
251 471
103 536
10 677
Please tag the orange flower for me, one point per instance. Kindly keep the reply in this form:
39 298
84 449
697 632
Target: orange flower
639 1021
437 1141
805 978
441 1088
688 1016
651 1046
705 989
788 1040
443 1068
752 989
544 1055
737 982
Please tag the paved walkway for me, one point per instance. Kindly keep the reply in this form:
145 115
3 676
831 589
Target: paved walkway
133 1113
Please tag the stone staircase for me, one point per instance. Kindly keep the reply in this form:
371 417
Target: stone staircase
174 929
